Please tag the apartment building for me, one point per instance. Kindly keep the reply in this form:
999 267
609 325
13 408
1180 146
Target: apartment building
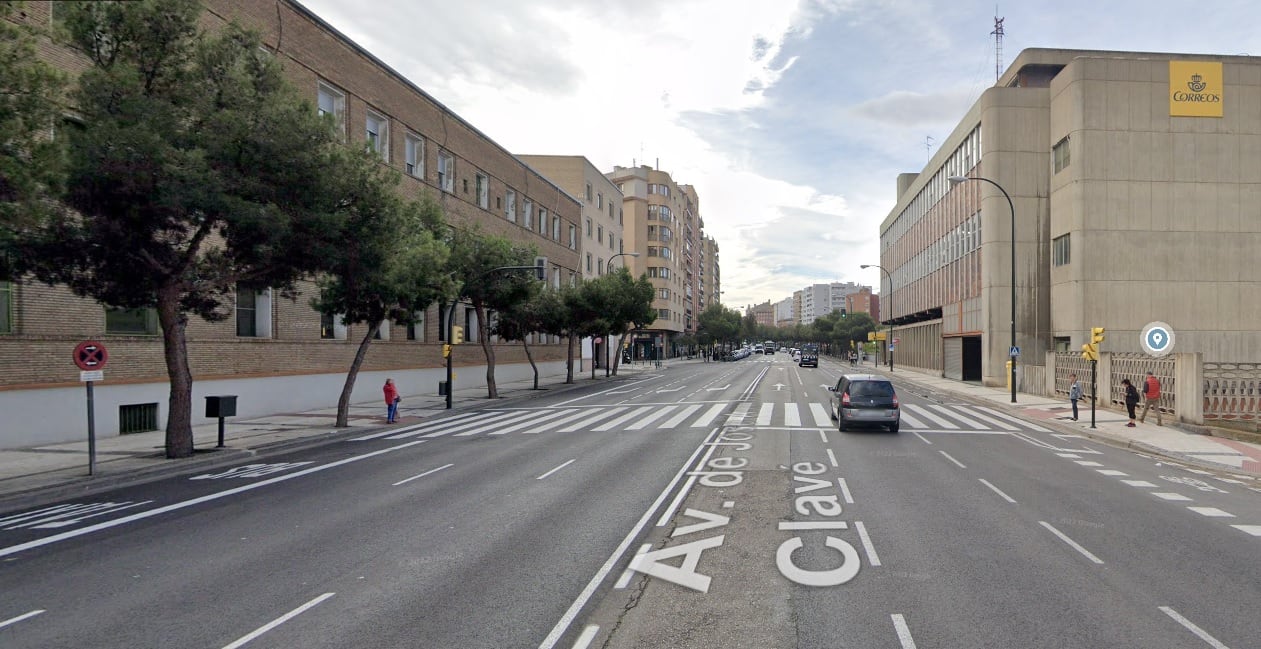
1131 179
279 354
709 283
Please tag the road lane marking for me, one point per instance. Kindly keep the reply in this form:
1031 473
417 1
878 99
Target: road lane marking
1112 472
623 419
911 421
674 422
709 416
279 621
1254 530
961 466
1139 483
608 391
1071 456
577 414
823 435
624 580
57 538
956 414
528 423
872 557
1088 463
996 423
832 458
821 416
922 438
1199 633
1167 495
591 419
650 417
849 499
903 631
489 424
792 417
1211 512
24 616
997 490
1015 420
429 472
444 428
556 469
580 602
921 411
1071 543
764 414
588 634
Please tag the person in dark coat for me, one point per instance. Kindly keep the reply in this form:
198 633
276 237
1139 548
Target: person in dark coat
1131 400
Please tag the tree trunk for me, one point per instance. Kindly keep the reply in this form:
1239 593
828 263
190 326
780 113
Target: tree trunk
483 336
569 360
530 357
343 402
621 344
179 424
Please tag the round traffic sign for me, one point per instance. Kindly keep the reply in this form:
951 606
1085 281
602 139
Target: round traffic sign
90 355
1157 339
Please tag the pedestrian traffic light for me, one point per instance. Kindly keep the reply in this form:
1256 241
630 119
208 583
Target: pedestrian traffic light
1096 337
457 335
1090 352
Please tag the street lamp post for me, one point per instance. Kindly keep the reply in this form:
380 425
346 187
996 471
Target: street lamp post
888 342
608 359
955 180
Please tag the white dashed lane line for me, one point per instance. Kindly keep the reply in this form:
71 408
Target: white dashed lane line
1211 512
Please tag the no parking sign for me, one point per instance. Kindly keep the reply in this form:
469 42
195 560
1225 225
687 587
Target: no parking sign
1157 339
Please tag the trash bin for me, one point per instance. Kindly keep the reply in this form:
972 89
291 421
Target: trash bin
221 406
442 388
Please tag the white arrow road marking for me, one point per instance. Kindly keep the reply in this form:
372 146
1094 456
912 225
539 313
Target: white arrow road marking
717 389
671 389
779 386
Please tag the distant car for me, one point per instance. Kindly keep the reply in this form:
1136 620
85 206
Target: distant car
810 359
865 400
768 350
796 356
757 349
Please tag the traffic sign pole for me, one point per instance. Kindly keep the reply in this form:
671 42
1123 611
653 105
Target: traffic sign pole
90 357
91 433
1094 397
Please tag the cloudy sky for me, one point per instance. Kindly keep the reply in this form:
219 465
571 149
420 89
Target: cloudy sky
791 118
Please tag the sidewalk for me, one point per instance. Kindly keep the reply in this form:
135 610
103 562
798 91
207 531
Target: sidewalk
54 471
1169 440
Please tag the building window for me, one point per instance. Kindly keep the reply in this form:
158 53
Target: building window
588 192
1061 250
611 241
588 262
510 206
1059 153
663 314
610 209
446 172
483 192
332 101
415 154
253 313
653 251
527 214
543 221
466 185
377 134
620 220
134 322
589 228
599 233
573 237
556 228
6 307
663 293
600 266
416 328
327 327
599 201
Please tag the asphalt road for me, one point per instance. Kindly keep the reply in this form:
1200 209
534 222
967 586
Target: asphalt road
710 505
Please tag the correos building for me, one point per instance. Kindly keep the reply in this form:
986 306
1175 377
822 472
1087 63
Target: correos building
1135 181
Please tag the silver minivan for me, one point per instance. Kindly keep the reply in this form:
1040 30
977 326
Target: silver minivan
866 400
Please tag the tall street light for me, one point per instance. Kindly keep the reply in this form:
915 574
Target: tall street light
890 278
955 180
608 360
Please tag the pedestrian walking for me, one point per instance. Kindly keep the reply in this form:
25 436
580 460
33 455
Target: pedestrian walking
1131 400
1074 393
391 401
1151 398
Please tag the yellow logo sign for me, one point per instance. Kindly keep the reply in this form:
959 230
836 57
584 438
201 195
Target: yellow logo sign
1195 89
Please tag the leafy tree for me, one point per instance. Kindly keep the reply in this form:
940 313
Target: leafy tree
478 263
391 263
31 162
198 170
721 323
517 321
632 307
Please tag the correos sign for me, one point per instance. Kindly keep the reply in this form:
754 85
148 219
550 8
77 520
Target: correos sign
1195 89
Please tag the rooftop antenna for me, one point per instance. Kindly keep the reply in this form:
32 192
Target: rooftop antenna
998 45
928 146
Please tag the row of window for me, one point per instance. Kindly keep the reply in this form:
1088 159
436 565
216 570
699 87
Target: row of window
960 163
599 235
951 247
332 102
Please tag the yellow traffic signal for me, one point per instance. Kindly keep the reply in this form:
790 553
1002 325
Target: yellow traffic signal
457 335
446 351
1090 352
1096 337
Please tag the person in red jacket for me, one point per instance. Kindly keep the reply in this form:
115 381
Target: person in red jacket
1151 398
391 401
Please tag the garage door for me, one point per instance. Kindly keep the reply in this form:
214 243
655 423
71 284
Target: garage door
953 350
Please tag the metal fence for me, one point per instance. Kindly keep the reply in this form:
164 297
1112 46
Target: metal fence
1115 367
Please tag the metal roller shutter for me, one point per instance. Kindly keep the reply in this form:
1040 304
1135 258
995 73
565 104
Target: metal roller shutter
953 350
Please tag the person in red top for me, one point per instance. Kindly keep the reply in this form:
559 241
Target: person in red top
391 401
1151 398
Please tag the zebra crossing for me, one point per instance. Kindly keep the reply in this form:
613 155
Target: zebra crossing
924 418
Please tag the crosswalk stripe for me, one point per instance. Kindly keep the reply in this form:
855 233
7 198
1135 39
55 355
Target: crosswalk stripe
491 424
531 422
792 417
737 416
910 420
928 414
709 416
639 425
955 413
764 414
596 416
449 426
678 419
623 419
575 414
972 412
1030 426
822 418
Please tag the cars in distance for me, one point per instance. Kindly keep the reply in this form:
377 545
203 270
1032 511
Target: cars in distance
865 400
808 358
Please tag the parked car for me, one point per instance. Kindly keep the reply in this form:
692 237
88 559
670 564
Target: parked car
865 400
810 359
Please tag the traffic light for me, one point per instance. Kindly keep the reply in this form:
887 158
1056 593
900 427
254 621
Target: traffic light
843 314
457 335
1096 337
1090 352
446 351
